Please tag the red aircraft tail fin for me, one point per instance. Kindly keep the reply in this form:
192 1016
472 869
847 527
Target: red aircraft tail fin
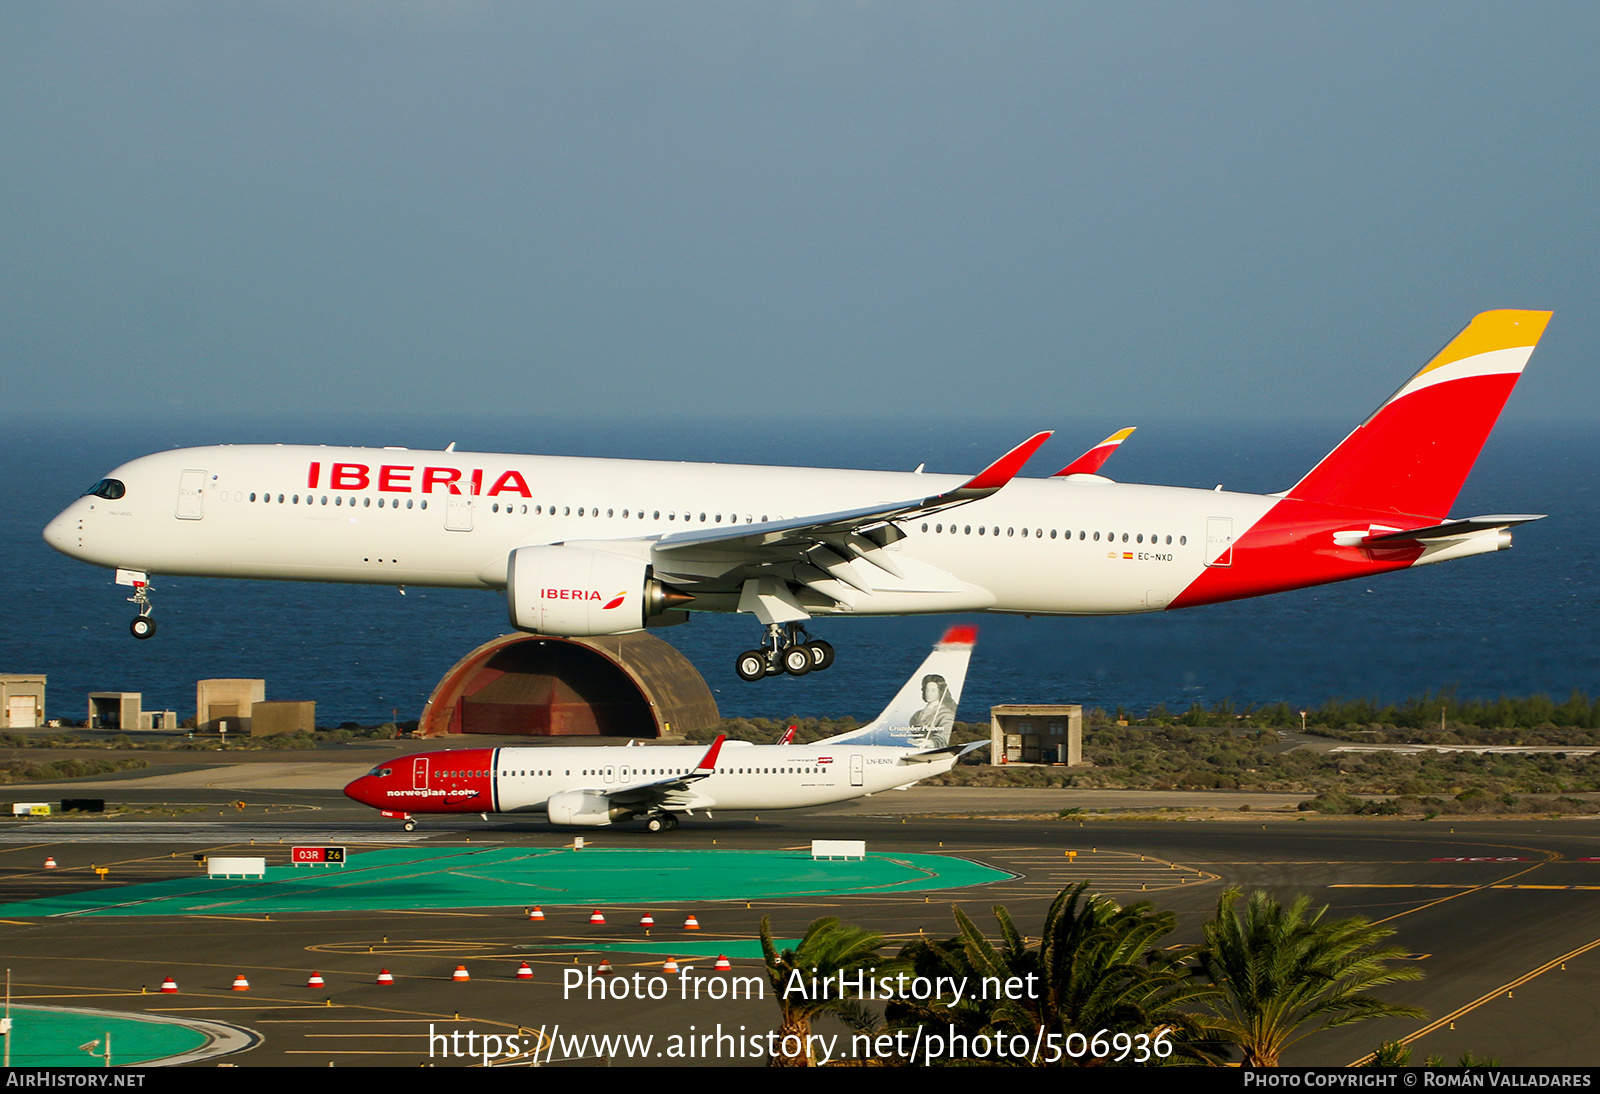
1415 451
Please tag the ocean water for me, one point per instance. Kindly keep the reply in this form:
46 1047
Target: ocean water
1514 622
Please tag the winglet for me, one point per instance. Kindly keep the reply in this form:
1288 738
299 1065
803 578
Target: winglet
708 762
993 477
788 736
1003 470
1091 461
962 634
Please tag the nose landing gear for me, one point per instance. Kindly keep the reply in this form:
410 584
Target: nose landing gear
142 626
788 648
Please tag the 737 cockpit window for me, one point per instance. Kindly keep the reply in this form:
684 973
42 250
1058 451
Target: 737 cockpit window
110 489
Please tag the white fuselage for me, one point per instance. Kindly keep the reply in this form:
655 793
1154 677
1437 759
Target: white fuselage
403 517
746 777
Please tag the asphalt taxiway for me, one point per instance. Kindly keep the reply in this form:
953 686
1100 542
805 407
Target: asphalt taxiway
1503 917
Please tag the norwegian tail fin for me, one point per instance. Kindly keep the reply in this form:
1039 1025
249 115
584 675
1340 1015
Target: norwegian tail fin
924 711
1412 455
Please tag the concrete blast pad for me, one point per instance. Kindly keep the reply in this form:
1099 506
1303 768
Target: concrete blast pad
401 879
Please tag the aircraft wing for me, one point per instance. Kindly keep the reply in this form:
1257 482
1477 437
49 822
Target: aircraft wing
670 792
873 523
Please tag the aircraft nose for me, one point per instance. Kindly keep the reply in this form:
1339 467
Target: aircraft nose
62 533
359 790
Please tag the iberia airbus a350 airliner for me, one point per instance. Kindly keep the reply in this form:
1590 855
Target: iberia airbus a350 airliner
600 546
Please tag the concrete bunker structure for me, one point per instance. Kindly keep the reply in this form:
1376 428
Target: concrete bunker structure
627 685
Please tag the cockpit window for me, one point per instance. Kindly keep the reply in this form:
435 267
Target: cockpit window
110 489
380 771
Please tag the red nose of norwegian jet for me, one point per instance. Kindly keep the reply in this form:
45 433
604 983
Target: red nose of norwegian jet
364 790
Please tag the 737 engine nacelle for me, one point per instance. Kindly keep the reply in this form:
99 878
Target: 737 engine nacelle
584 809
572 592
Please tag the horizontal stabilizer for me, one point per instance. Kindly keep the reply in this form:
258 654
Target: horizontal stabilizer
1451 528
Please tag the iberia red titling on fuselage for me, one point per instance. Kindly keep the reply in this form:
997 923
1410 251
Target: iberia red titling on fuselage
595 786
601 546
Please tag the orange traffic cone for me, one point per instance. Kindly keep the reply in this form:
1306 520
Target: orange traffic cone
460 975
537 913
723 964
386 979
316 981
671 965
240 983
597 917
604 968
647 920
691 924
169 986
49 862
525 972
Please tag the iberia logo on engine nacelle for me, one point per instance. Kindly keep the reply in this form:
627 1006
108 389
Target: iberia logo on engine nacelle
584 594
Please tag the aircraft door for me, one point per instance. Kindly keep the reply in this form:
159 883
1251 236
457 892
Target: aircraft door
419 773
191 495
1219 541
458 515
624 774
858 770
610 774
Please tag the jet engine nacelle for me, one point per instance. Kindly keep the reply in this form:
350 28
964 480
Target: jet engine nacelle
573 592
584 809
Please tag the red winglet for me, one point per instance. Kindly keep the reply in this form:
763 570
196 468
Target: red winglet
708 762
962 634
1003 470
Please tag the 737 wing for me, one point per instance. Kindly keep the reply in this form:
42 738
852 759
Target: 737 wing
673 792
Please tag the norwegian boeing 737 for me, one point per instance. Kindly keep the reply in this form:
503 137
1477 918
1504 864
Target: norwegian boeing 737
599 546
596 786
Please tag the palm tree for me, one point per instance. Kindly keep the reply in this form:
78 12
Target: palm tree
830 948
1096 969
1099 969
1279 969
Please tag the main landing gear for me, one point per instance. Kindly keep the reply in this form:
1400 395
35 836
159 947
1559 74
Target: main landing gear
660 822
142 626
788 649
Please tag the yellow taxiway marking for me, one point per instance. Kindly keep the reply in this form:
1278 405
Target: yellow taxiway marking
1472 888
1486 997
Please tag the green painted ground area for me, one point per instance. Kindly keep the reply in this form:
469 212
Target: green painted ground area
46 1037
398 879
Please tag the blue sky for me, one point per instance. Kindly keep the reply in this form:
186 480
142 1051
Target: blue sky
786 211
